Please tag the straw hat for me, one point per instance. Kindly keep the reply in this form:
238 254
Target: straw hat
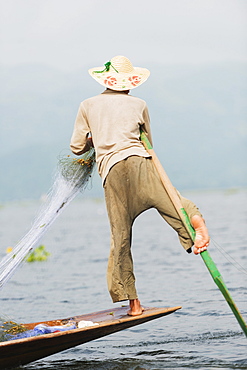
119 74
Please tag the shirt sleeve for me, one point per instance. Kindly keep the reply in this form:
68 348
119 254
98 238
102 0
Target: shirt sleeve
146 124
80 133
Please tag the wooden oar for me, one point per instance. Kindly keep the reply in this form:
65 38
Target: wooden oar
185 219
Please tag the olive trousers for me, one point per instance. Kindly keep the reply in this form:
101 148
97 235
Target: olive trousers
132 186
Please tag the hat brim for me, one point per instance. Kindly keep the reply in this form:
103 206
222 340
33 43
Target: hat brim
120 81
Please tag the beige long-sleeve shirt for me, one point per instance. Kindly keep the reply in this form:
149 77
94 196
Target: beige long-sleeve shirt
113 118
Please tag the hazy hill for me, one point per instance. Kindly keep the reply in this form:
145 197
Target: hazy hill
198 120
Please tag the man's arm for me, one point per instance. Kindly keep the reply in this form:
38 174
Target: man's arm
80 143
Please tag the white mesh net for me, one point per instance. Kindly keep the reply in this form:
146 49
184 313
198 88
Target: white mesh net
72 176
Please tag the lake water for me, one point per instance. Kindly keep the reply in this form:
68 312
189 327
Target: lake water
204 334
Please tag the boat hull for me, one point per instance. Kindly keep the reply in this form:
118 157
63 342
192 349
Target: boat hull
23 351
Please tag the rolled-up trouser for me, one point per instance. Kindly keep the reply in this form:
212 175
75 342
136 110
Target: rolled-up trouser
132 186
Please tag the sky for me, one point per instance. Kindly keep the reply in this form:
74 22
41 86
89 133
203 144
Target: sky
69 34
200 46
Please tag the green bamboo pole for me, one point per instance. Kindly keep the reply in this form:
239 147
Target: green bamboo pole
185 219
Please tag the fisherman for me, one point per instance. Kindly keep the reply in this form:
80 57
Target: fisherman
111 122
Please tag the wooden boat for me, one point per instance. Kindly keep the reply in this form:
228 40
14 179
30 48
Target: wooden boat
23 351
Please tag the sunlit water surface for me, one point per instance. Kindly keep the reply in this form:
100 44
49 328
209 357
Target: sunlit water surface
203 335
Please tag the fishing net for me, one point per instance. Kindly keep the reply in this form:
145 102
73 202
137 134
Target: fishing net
72 176
9 329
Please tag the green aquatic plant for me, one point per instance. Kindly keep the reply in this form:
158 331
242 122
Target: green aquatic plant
38 254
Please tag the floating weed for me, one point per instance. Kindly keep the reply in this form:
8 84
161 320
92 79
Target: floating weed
38 254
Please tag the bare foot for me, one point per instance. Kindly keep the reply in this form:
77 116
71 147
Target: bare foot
135 308
202 238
